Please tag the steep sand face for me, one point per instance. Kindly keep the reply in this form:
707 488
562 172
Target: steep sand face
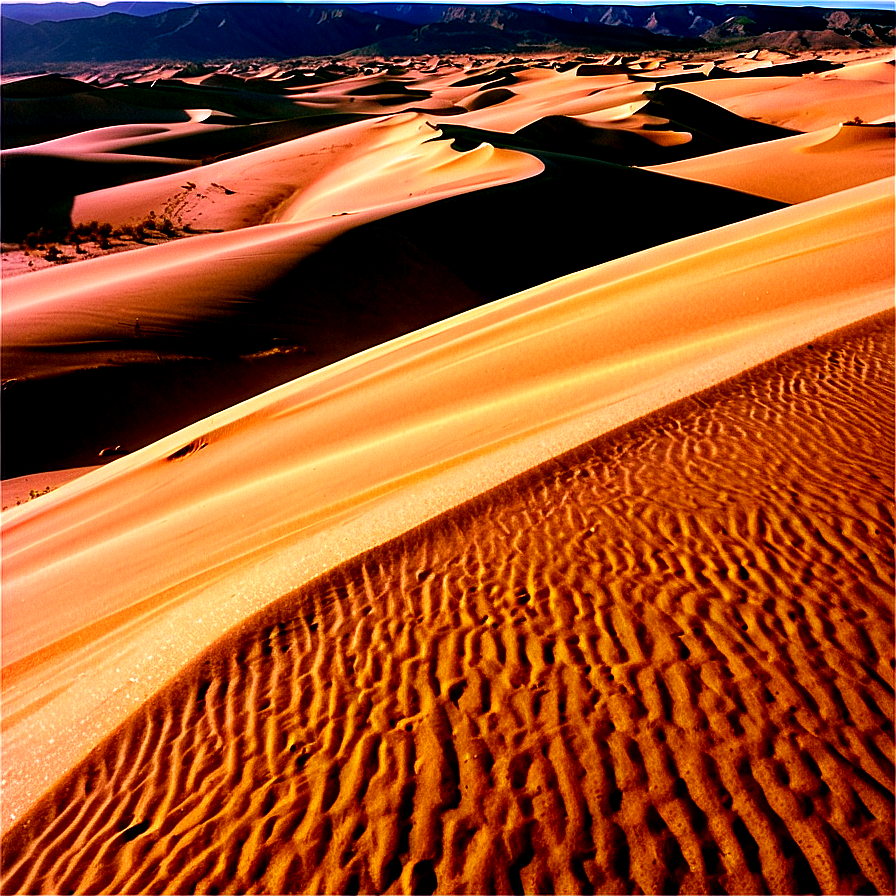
342 170
662 663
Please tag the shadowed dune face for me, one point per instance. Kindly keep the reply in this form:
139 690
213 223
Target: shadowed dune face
661 663
197 350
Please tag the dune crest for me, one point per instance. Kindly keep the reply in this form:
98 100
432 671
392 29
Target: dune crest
863 90
659 664
795 169
337 171
314 471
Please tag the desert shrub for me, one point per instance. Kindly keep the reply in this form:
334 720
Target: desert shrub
87 229
39 238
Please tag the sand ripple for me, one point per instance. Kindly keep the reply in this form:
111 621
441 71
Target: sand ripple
662 663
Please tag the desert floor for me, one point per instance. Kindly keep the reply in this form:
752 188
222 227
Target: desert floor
450 475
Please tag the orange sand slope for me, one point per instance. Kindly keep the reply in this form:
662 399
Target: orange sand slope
798 168
661 663
863 90
312 189
343 170
144 562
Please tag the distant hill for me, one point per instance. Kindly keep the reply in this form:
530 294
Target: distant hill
471 29
196 33
722 23
62 12
206 32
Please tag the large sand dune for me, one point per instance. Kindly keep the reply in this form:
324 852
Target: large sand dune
661 663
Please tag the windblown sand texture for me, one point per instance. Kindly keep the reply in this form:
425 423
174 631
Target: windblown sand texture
659 664
470 517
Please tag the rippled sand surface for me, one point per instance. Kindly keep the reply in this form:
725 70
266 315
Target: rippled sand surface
662 663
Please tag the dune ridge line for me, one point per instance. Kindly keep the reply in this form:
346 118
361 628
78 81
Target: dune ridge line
289 483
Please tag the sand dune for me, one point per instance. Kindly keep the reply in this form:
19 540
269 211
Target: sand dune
340 170
401 590
661 664
807 104
255 308
801 167
311 471
25 488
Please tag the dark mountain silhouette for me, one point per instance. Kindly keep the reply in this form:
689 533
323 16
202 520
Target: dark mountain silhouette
469 29
204 32
61 12
196 33
722 23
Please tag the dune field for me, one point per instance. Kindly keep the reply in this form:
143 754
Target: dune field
449 474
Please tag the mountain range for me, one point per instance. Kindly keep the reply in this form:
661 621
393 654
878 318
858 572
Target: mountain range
199 32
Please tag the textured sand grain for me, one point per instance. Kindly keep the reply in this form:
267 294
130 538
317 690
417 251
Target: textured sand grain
661 663
144 563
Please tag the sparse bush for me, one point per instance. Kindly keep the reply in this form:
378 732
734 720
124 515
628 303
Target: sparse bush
39 238
87 229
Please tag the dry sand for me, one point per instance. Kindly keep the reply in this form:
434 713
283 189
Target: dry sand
662 663
801 167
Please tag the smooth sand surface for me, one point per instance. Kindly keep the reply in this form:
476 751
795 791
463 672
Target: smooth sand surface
864 91
343 170
798 168
691 692
171 545
661 664
25 488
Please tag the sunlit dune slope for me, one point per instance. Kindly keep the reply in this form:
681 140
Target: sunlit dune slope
652 127
659 663
279 300
144 562
798 168
347 169
257 182
806 104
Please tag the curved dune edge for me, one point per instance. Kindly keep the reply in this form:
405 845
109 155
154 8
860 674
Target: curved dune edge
345 169
863 89
143 563
659 663
795 169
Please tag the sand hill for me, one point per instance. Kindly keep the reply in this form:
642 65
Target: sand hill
450 475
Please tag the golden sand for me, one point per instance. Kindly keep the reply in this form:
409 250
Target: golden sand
319 638
662 663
